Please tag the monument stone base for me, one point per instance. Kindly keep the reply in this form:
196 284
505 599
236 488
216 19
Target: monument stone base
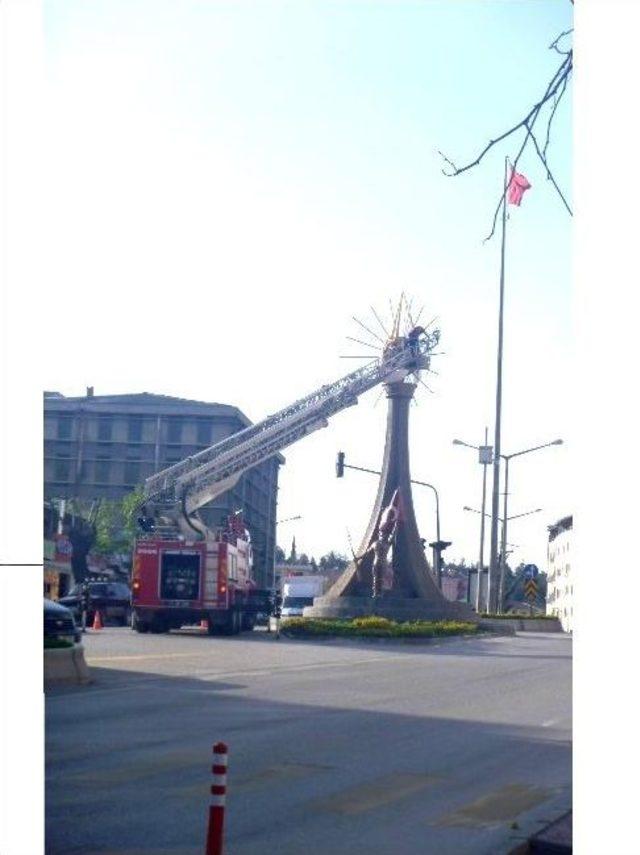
394 608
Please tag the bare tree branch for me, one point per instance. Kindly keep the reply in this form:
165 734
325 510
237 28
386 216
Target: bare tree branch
542 157
553 112
554 43
528 123
556 81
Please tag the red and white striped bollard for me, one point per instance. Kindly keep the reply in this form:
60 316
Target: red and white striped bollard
215 831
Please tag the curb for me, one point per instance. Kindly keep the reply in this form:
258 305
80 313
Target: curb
357 641
66 665
523 624
547 832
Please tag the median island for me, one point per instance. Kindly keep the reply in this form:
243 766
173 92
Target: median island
373 626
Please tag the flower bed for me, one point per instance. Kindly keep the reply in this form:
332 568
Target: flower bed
373 626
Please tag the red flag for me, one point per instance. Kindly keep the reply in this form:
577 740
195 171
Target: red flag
516 189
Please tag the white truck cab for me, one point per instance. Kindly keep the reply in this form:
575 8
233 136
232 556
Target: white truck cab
298 592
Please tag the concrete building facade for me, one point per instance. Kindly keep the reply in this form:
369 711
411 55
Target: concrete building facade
560 576
103 446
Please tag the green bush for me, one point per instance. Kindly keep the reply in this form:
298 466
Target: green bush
374 627
56 643
373 621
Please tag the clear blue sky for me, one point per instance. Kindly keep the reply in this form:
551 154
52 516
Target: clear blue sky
241 178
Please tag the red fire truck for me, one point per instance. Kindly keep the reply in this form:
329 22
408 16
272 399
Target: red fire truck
177 582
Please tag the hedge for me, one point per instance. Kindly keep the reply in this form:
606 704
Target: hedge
374 626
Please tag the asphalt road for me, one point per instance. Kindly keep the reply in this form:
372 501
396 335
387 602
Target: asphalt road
458 747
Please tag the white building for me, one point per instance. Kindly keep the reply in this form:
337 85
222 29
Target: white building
560 579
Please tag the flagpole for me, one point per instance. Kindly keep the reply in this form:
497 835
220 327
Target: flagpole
494 606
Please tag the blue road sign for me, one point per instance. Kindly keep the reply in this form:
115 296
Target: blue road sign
530 571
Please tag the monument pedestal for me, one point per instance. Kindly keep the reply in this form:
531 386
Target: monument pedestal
394 608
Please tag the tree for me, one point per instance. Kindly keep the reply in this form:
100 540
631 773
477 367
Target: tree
333 561
116 523
547 107
280 557
303 559
108 526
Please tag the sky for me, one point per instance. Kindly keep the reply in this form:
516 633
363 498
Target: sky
225 185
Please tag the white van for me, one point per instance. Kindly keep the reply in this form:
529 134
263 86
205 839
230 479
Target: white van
298 592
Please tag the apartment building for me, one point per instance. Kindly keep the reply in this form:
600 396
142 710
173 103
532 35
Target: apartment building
560 576
103 446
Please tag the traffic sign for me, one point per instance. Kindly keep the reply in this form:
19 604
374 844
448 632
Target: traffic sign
485 455
530 571
531 589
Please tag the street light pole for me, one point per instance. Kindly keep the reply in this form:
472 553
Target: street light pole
484 499
275 546
437 551
485 462
503 553
494 515
503 548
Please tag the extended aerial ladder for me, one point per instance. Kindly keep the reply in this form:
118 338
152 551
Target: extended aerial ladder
174 495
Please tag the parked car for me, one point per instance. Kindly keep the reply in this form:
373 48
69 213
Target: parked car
59 622
111 599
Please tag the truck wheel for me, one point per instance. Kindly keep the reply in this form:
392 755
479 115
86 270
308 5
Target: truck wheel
158 626
232 626
139 625
248 622
125 620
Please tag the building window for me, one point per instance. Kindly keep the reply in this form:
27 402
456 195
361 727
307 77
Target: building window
104 428
132 472
62 469
135 430
102 470
64 427
174 430
204 433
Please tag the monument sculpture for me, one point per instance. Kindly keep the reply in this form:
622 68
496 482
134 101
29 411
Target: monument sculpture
389 574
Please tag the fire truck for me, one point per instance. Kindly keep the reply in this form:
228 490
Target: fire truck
183 571
178 581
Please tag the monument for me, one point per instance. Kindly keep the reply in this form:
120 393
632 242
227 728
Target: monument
389 575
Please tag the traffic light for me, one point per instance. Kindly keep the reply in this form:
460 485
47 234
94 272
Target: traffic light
340 465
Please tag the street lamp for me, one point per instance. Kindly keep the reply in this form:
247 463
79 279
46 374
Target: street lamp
506 458
275 544
485 458
503 553
501 519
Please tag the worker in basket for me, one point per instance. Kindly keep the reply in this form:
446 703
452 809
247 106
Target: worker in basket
413 339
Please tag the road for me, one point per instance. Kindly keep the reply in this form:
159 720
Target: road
456 747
